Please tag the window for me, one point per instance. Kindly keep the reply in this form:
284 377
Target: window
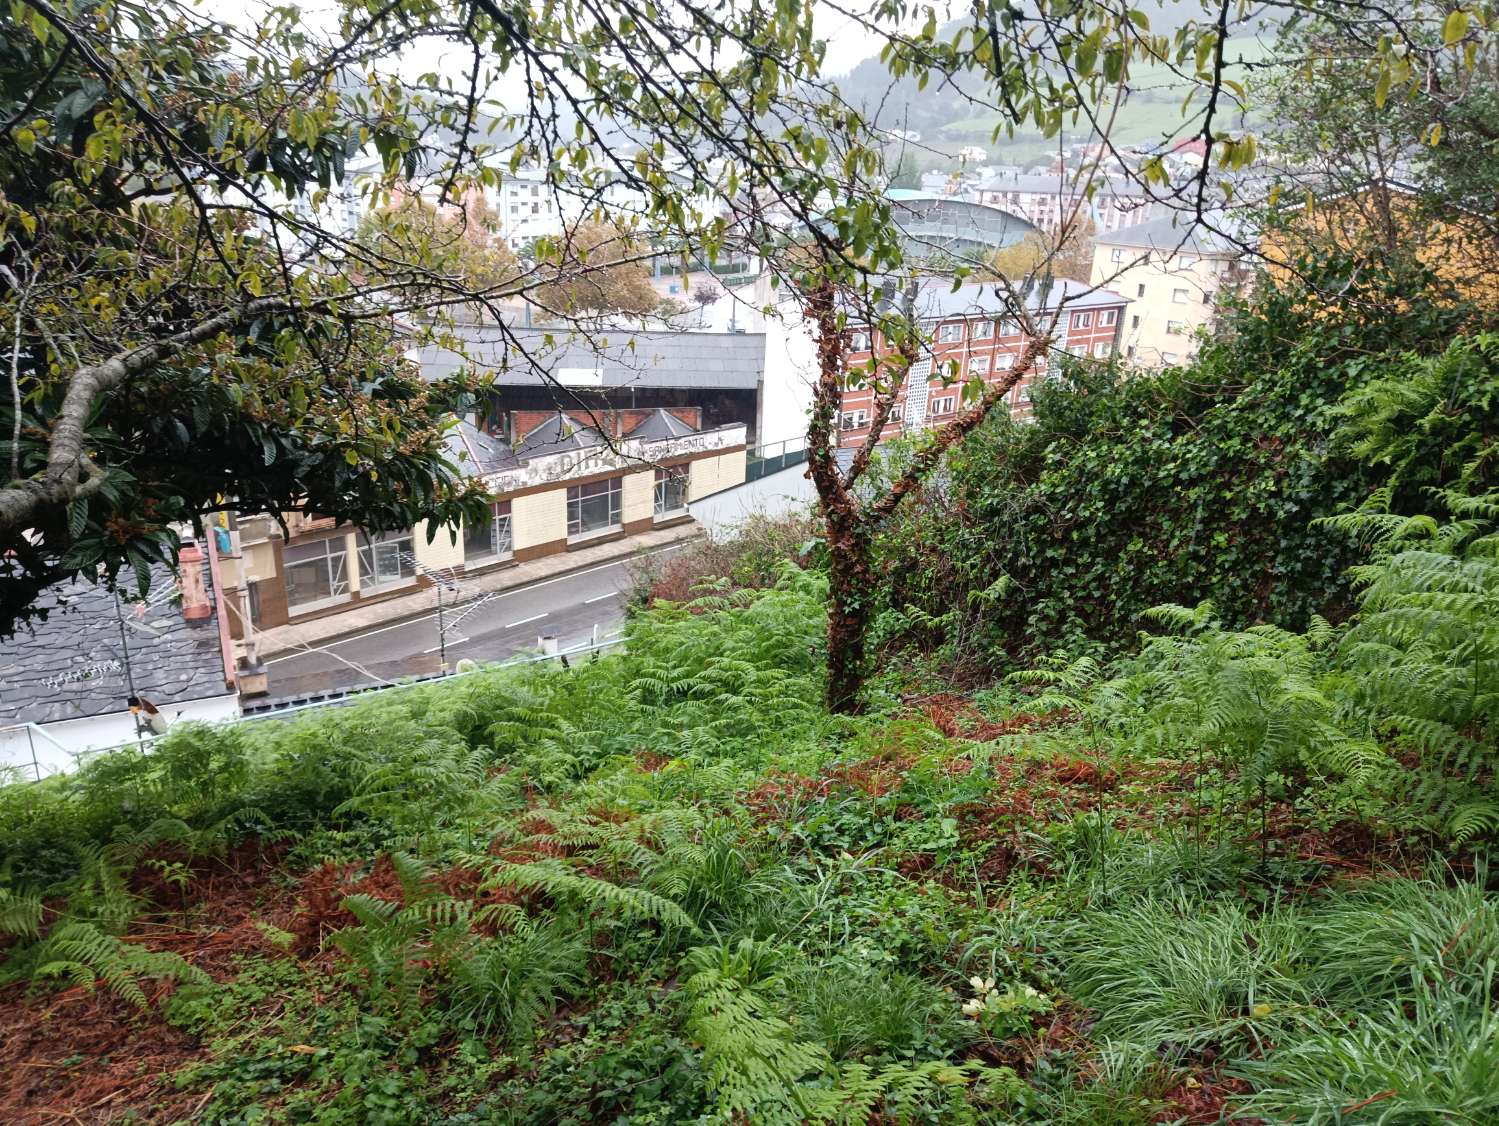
1078 349
1179 297
536 209
494 540
1134 322
1117 254
983 330
1168 357
535 190
593 508
1102 349
1140 290
1188 261
1009 326
1082 320
1004 362
1176 328
385 559
944 404
858 342
1040 364
897 412
1108 317
671 490
316 572
853 420
978 365
1130 351
950 333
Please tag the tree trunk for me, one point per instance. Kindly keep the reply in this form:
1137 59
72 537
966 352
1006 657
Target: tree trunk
851 586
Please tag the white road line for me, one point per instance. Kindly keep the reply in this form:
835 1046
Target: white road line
600 598
438 648
424 623
523 621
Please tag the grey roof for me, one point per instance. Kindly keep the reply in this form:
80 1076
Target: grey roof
1172 237
937 298
556 435
476 452
72 665
628 358
661 423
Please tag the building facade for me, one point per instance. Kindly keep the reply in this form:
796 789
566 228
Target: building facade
563 486
1173 278
972 337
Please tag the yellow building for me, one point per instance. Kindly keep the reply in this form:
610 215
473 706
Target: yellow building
1173 277
1384 223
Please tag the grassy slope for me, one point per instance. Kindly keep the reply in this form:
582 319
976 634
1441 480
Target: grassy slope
667 887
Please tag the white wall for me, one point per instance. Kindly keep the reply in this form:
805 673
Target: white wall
774 495
18 745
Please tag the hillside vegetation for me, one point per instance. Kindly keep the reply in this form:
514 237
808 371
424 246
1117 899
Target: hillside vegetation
1236 871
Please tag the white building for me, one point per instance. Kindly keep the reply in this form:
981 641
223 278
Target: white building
1173 277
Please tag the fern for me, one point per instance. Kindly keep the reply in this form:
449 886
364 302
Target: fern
86 956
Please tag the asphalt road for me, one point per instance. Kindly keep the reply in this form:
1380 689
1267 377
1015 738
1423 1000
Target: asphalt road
568 607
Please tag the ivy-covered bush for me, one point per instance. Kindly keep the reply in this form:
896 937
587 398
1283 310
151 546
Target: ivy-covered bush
1202 482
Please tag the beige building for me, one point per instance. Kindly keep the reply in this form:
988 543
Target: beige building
562 487
1173 277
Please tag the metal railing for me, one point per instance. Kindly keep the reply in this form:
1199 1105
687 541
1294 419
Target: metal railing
344 697
773 457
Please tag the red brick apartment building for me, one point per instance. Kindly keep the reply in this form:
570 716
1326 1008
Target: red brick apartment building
969 329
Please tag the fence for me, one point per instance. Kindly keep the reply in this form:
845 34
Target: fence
774 457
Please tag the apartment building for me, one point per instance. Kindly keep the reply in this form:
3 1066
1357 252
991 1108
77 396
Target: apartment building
973 337
561 486
1173 277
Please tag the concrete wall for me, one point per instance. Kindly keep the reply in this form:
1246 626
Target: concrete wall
1161 277
18 745
445 550
638 496
775 495
790 374
539 518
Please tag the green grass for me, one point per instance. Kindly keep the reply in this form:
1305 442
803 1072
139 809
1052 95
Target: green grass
667 887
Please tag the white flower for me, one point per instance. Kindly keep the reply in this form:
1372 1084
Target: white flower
972 1008
988 985
978 984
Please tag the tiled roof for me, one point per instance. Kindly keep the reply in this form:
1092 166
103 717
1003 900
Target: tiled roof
623 357
556 435
477 453
937 299
72 664
1171 237
661 423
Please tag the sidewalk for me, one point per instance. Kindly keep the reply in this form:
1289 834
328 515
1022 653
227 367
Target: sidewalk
420 602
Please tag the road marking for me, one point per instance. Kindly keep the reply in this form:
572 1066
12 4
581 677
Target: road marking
450 644
425 623
523 621
600 598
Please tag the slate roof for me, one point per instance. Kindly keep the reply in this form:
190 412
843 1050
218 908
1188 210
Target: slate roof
1167 236
627 357
478 453
660 423
71 665
937 299
556 435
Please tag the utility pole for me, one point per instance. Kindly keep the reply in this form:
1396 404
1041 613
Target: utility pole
134 699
